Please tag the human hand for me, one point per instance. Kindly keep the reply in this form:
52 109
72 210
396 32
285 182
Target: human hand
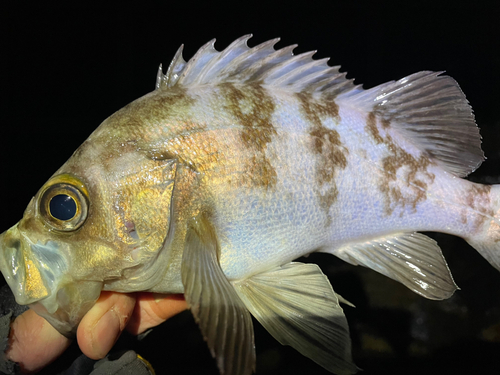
34 343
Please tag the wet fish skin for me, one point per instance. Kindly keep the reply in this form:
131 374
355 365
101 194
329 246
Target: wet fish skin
240 162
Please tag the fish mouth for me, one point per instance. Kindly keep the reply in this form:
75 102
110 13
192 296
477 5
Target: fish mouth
33 271
20 270
38 275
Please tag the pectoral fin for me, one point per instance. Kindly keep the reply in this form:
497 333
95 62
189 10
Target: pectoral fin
224 320
298 306
413 259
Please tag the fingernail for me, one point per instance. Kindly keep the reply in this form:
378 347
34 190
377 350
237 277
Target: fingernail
105 333
158 297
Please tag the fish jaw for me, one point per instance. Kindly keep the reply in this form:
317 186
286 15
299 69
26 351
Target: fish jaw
37 275
20 270
66 308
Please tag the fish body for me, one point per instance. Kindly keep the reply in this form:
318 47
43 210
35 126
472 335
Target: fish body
240 162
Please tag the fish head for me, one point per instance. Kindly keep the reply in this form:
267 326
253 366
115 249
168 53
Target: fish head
94 225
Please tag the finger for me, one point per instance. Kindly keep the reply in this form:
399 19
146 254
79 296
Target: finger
153 309
102 325
34 343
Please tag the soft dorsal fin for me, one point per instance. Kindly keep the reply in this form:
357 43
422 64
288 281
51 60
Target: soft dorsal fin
431 110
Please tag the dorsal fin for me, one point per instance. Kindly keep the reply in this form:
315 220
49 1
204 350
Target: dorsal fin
239 63
431 110
427 108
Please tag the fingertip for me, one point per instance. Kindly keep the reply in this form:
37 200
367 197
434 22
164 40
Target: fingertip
103 324
34 343
153 309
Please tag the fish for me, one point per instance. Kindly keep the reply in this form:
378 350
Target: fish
240 162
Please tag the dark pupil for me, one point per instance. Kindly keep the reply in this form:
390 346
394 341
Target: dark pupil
62 207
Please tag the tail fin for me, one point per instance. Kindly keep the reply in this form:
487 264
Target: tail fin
486 240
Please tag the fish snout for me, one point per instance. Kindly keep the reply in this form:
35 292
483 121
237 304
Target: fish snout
38 275
19 270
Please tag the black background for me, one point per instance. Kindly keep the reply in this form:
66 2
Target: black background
65 68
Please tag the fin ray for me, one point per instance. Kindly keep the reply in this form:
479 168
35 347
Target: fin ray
239 63
297 305
217 308
426 107
413 259
431 110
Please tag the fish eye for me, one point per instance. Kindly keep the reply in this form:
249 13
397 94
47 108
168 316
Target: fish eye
63 206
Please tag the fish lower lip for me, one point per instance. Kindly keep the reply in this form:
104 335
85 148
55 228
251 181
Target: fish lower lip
9 252
19 269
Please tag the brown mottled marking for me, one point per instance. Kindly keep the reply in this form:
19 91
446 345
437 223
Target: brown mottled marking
326 145
372 129
416 179
478 199
385 123
315 110
134 127
253 108
149 110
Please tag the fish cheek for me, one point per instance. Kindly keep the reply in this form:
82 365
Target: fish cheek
150 214
141 210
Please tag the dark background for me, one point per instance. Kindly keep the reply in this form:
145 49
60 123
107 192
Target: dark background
64 69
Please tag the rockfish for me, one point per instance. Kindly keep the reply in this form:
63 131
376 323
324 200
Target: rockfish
240 162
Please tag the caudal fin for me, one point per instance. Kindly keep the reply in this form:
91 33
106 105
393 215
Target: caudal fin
486 239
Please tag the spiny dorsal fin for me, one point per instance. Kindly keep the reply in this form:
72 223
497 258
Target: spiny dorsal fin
262 63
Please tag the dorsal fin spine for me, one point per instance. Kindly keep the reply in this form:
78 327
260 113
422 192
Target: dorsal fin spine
247 58
282 72
176 66
200 59
257 71
159 77
230 53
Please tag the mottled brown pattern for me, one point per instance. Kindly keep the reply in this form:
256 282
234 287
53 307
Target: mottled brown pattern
135 127
315 110
194 147
150 109
416 178
478 199
253 108
331 154
372 129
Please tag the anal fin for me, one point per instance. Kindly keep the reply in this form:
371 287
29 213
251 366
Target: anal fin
298 307
224 320
413 259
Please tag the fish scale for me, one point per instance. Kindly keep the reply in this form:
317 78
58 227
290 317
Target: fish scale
238 163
